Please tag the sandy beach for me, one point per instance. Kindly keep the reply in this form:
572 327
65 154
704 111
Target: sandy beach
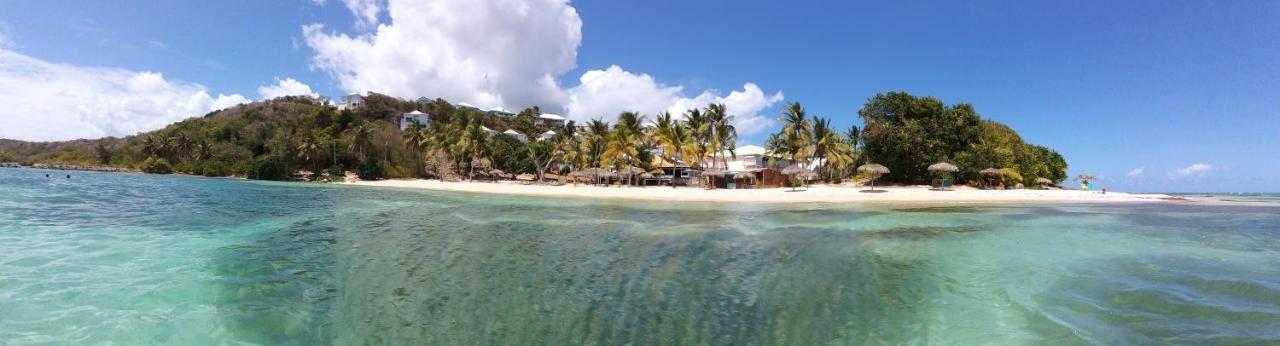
814 194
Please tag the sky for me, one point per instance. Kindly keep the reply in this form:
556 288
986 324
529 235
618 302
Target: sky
1149 95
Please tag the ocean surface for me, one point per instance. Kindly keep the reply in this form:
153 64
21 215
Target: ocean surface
142 259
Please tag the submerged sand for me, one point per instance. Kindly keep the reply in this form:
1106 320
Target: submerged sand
813 194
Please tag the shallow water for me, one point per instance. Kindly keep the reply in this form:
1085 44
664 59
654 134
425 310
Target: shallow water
140 259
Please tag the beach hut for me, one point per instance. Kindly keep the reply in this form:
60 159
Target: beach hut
875 170
744 175
988 175
1044 182
944 169
711 174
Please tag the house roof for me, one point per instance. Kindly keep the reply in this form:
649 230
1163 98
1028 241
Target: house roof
486 129
498 110
415 112
467 105
551 116
748 150
511 132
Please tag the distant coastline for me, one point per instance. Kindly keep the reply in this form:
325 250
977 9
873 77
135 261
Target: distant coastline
822 193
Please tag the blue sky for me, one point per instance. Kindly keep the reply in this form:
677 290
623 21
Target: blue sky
1186 93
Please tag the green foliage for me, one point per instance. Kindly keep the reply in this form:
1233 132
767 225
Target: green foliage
268 169
156 166
215 169
908 133
371 169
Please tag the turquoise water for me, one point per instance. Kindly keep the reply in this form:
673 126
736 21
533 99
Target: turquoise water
139 259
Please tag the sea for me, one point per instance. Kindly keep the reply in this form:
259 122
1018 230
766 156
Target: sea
118 258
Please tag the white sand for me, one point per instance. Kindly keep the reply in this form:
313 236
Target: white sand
814 194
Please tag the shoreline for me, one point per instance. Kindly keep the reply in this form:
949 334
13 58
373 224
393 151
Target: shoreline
814 194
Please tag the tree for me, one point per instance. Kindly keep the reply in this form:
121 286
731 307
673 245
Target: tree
308 147
907 133
360 135
414 137
796 135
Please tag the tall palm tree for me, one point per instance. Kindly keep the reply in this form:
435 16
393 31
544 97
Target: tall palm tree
414 137
360 135
700 129
724 135
152 146
308 147
796 133
675 138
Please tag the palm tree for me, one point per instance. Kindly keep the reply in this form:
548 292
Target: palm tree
700 129
724 135
152 146
361 134
414 138
308 146
180 144
674 138
796 133
203 151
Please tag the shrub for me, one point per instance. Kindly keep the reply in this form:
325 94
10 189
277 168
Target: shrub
268 169
215 169
371 169
157 166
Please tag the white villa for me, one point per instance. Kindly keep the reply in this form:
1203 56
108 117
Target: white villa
407 119
352 101
546 135
517 135
548 119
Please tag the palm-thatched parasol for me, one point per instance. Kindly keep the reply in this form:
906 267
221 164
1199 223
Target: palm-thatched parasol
876 170
1044 181
1086 177
989 173
798 171
943 167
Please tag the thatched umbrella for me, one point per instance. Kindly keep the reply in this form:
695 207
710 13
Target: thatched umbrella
1085 178
989 173
796 171
876 170
944 168
1044 182
746 175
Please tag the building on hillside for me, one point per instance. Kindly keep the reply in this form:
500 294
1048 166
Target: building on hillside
466 105
499 111
352 101
548 119
488 131
517 135
546 135
407 119
424 100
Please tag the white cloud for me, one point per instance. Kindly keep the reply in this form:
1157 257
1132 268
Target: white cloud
365 11
285 87
4 40
51 101
504 53
602 94
1136 172
1196 170
491 53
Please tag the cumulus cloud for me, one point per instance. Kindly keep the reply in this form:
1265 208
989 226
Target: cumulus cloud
491 53
1193 171
501 53
1136 172
51 101
365 11
285 87
602 94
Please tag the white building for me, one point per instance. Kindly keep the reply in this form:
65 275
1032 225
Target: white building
407 119
546 135
548 119
466 105
499 111
747 157
517 135
352 101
